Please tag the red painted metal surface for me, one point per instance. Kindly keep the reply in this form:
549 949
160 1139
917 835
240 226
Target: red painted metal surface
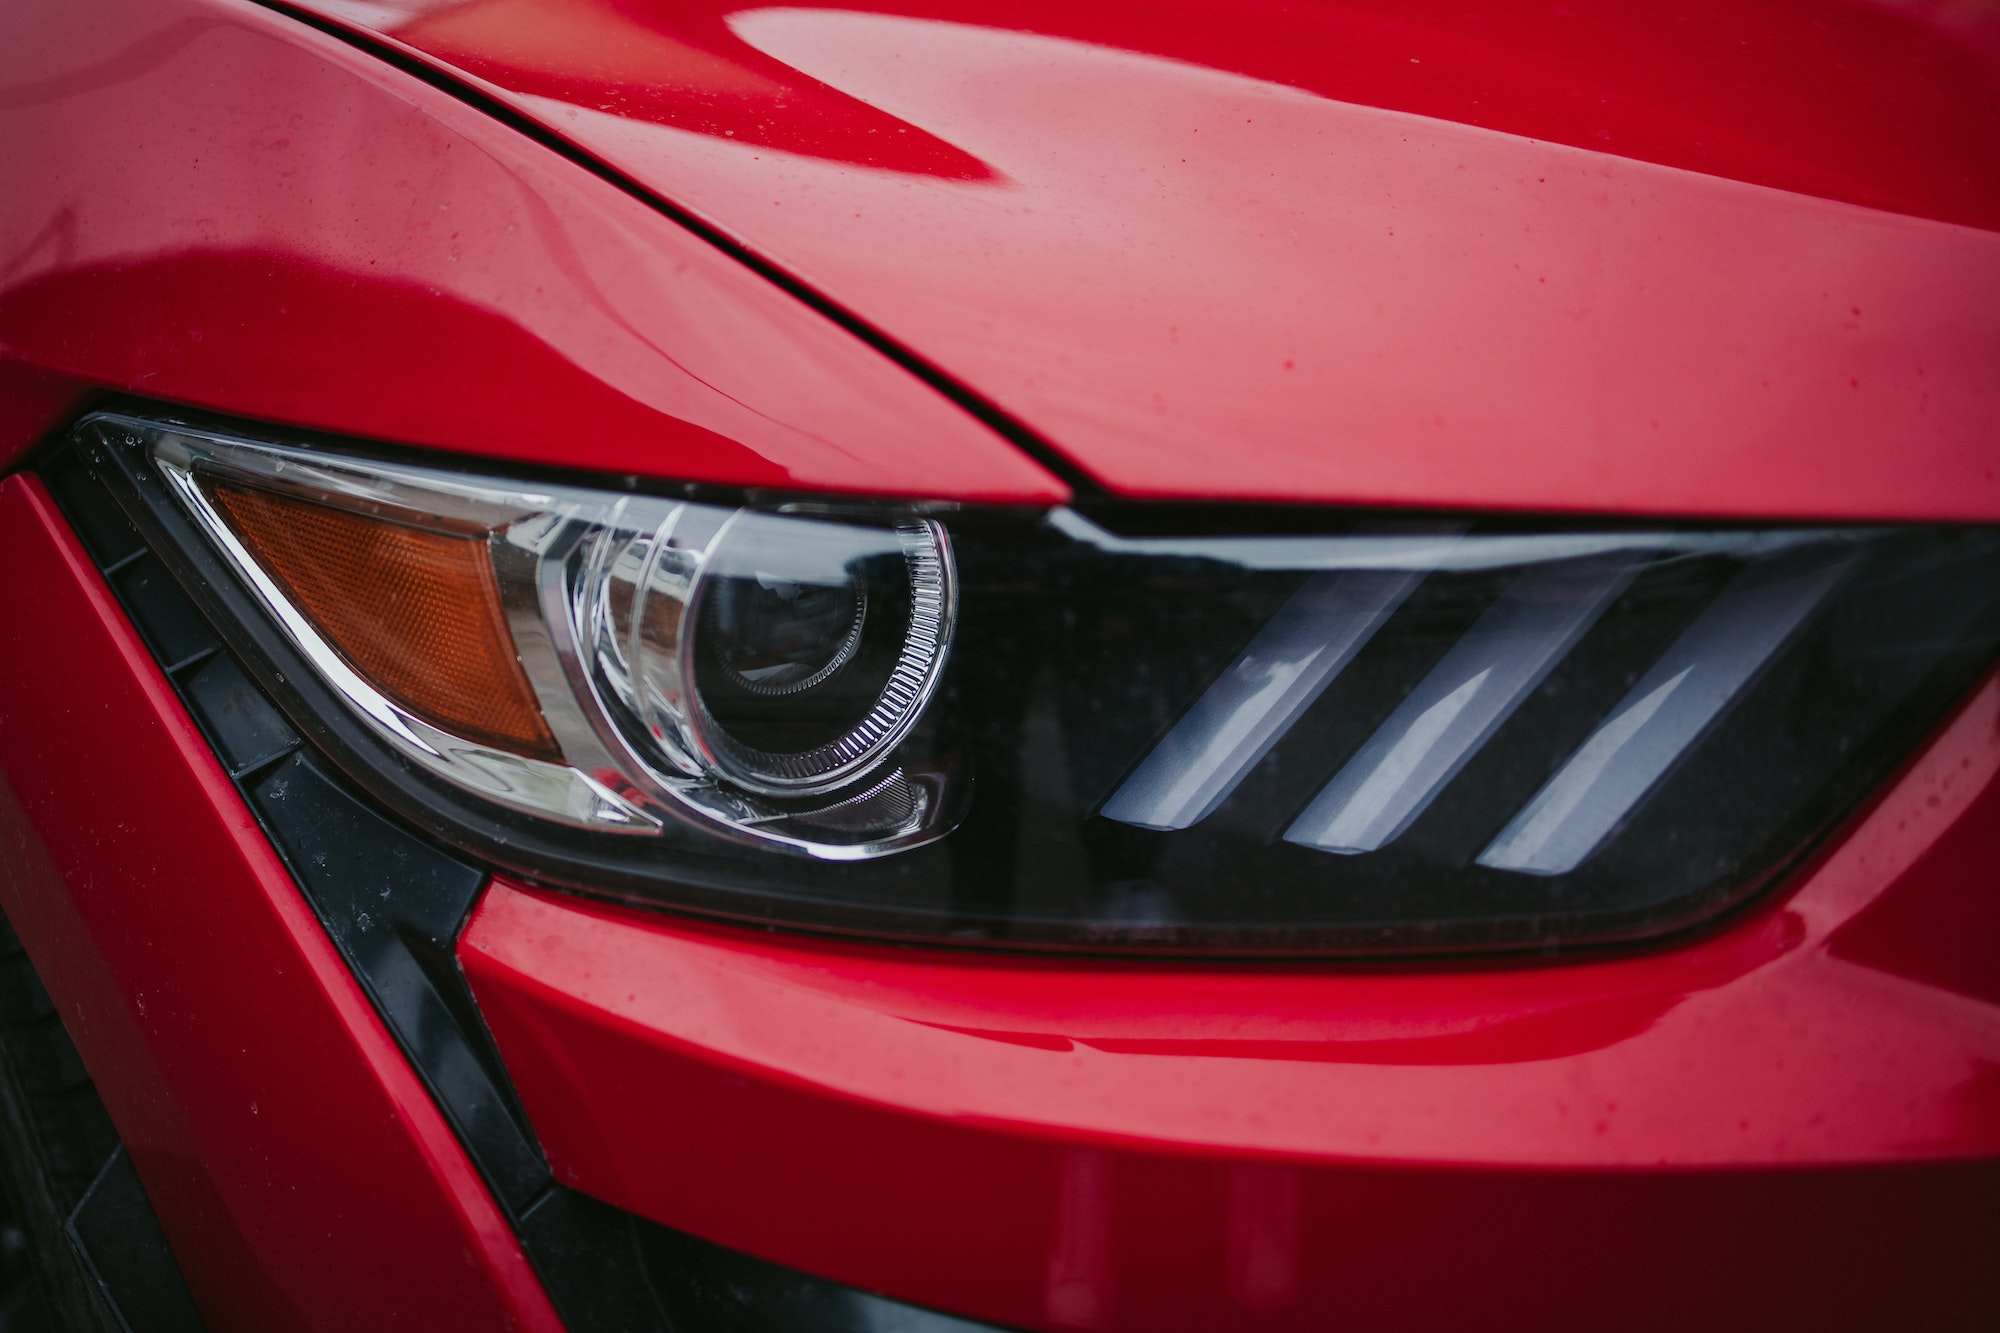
1790 1121
1723 259
1731 259
33 404
301 1171
212 204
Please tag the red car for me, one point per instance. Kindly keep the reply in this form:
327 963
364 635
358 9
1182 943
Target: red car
940 664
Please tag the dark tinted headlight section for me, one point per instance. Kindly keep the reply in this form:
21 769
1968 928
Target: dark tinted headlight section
1142 728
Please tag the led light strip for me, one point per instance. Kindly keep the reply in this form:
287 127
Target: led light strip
1662 716
1409 759
1287 666
1460 704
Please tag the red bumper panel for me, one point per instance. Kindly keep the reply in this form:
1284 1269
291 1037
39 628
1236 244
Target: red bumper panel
1789 1121
302 1173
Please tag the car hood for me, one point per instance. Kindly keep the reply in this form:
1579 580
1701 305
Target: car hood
1720 259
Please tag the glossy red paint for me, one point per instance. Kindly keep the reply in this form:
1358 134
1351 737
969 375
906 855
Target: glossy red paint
1722 259
33 404
301 1171
1798 1109
212 204
1727 259
1872 103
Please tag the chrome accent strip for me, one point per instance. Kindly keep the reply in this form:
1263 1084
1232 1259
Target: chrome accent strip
409 495
1435 550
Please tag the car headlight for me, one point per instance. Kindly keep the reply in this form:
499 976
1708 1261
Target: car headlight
616 663
1146 726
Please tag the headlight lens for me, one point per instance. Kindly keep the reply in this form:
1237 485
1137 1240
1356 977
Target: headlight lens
1154 727
614 663
814 647
777 656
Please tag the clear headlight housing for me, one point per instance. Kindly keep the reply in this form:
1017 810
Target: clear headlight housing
1142 727
615 663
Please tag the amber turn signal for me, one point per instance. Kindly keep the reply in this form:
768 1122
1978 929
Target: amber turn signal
416 612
